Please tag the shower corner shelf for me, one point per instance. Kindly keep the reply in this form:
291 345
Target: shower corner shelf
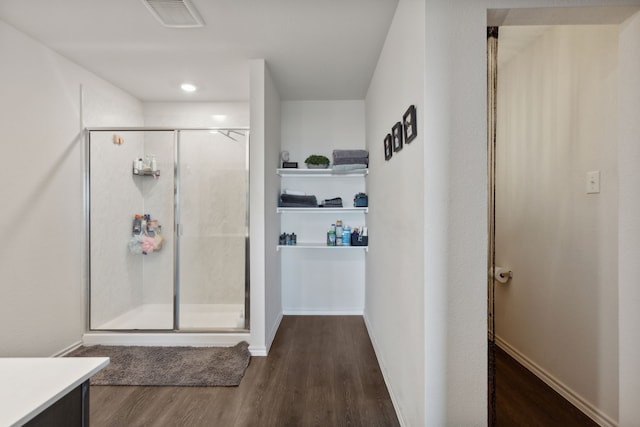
154 174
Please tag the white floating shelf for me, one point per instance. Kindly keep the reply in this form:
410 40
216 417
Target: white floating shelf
322 210
322 246
155 173
322 172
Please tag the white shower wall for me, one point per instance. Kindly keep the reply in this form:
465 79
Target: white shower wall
120 279
115 274
158 201
213 198
213 206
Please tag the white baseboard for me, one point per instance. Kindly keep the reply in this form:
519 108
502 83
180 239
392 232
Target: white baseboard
272 333
68 350
576 400
383 369
321 312
258 350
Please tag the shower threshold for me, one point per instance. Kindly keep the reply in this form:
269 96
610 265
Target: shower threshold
203 325
193 317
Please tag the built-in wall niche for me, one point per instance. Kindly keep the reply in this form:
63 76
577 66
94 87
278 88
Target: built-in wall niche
317 277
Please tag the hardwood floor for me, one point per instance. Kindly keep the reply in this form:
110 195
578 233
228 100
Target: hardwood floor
522 399
321 371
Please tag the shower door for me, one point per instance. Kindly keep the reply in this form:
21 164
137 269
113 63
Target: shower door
131 261
213 229
167 229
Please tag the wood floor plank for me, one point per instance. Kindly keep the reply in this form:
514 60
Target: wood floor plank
321 371
522 399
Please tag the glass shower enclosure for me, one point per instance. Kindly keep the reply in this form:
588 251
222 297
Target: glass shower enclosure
167 225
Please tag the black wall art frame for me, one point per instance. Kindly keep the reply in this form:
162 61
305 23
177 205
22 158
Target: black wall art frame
410 125
388 147
396 134
402 133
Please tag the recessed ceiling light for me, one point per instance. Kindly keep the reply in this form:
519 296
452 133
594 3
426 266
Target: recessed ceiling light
188 87
219 117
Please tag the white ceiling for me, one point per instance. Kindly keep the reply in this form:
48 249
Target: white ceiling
595 15
315 49
521 27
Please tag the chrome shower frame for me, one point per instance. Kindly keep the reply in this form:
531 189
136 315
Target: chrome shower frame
227 132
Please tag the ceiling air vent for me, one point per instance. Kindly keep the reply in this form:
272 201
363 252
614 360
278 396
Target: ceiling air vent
175 13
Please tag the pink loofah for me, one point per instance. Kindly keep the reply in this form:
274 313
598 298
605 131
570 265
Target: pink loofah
148 244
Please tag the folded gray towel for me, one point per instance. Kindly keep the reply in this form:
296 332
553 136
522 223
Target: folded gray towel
349 167
294 201
351 161
331 203
338 154
296 205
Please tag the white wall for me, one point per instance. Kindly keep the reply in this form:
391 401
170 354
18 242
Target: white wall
266 308
319 127
41 184
257 223
629 221
196 114
394 305
557 120
456 208
273 291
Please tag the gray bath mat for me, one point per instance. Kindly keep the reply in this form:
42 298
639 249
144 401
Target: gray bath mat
169 366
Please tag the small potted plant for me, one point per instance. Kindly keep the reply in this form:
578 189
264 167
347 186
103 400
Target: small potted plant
317 162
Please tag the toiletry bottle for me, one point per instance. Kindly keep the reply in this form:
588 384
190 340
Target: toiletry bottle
346 237
154 163
137 224
152 225
331 237
354 237
339 231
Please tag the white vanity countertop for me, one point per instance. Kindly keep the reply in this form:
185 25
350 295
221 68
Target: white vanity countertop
29 385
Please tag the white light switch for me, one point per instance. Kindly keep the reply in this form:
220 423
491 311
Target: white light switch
593 182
